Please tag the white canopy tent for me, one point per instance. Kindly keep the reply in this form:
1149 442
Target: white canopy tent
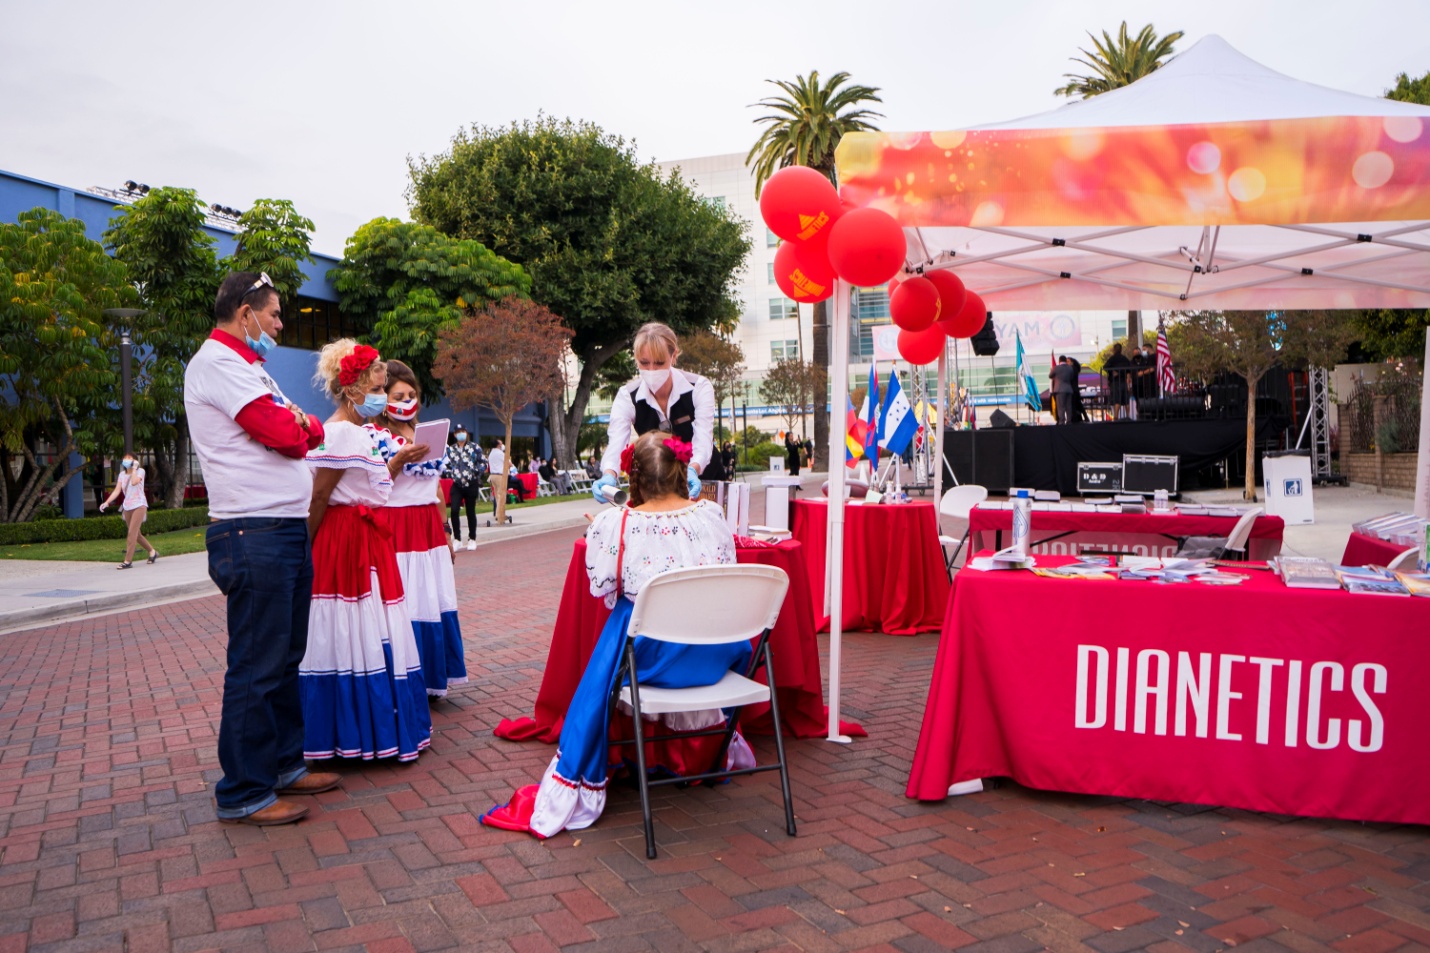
1212 183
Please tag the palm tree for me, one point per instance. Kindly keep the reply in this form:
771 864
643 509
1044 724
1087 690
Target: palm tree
804 127
1120 62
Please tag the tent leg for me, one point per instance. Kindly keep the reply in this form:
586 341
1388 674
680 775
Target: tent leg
937 435
1422 470
834 582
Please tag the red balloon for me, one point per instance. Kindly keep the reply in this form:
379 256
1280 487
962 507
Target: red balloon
799 204
969 320
914 305
803 284
866 247
951 292
921 347
894 283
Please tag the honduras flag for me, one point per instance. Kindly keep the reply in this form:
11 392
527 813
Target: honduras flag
899 422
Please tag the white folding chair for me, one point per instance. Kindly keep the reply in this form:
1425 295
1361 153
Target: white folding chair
958 502
1405 561
706 605
1241 533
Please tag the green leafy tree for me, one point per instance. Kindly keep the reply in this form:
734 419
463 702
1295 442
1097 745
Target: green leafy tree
402 284
170 259
1409 90
804 127
791 385
610 244
57 353
503 357
274 240
1118 62
1250 343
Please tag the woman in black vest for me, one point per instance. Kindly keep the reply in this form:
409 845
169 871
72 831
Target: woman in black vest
662 398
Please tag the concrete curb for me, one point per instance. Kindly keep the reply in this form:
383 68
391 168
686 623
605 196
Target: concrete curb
20 619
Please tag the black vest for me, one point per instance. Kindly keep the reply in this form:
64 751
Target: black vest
682 415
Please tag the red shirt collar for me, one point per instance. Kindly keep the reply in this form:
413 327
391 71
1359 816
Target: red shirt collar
241 348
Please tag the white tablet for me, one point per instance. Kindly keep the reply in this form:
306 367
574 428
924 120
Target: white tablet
433 433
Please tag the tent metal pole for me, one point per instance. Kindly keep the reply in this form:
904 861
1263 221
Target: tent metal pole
834 566
941 410
1422 469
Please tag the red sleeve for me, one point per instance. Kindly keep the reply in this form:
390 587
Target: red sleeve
275 427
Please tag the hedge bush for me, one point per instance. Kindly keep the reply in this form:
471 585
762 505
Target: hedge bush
99 527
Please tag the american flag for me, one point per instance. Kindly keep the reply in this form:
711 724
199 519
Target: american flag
1166 380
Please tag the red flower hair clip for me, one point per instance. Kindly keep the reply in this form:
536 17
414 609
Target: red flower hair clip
682 450
627 456
355 363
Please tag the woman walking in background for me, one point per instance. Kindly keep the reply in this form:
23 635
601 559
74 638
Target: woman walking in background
361 679
134 509
414 511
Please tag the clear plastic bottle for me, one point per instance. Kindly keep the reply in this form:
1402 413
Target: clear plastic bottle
1022 520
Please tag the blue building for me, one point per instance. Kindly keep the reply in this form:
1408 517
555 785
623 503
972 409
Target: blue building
315 321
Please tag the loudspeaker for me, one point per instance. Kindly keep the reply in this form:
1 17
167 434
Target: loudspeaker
985 342
984 457
1001 420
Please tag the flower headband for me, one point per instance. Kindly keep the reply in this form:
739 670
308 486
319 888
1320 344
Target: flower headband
355 363
682 450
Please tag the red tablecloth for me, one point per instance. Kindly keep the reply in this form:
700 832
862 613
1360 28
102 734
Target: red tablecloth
894 576
1254 696
1140 533
792 643
446 490
528 484
1362 550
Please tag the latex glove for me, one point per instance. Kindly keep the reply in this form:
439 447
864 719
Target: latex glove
606 480
692 482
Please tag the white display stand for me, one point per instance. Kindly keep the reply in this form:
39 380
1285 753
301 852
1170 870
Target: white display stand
777 497
1287 482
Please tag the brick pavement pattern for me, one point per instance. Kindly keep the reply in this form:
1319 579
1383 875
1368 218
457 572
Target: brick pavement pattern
108 839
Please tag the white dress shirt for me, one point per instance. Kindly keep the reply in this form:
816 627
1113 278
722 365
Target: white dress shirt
621 430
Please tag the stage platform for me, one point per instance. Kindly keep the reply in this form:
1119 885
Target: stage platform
1046 457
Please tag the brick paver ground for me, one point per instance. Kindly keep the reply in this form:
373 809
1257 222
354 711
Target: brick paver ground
108 839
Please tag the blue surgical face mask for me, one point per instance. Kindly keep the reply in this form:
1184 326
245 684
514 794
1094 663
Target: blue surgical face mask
372 405
461 438
127 464
263 344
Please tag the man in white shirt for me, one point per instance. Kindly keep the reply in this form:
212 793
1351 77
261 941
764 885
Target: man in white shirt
497 479
251 444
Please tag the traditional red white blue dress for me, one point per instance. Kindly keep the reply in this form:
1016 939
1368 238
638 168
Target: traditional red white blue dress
361 679
572 793
425 561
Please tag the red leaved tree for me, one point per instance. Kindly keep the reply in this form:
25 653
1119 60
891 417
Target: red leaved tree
503 357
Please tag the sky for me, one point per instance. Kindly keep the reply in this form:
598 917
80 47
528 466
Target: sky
322 102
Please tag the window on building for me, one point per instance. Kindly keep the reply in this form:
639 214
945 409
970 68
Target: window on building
1119 329
781 308
718 201
783 350
869 307
771 239
310 323
771 272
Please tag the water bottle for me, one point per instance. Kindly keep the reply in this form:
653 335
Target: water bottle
1022 520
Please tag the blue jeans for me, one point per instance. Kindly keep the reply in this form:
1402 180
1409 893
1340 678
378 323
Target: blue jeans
264 566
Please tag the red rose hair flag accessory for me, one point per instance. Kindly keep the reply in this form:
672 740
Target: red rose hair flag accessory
627 456
355 363
682 450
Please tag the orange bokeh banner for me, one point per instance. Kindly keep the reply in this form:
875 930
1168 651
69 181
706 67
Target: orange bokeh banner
1266 172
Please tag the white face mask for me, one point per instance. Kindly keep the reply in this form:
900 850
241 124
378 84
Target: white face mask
655 380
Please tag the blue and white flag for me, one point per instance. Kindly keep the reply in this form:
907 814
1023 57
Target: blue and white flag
899 422
1030 386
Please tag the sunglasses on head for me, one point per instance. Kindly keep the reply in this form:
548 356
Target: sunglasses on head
263 281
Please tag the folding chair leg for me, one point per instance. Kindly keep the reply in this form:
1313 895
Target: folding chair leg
641 778
780 744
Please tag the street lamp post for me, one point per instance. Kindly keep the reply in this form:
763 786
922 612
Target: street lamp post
126 354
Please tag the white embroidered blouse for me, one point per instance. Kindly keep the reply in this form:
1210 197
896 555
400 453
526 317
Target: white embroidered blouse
655 542
355 450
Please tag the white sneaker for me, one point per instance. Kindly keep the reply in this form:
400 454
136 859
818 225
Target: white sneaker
471 545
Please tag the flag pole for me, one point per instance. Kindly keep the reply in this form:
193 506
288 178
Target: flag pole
834 565
936 464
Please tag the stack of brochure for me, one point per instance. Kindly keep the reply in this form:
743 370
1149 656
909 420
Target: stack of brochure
1416 583
1372 580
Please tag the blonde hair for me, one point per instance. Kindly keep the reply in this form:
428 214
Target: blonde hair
655 472
330 366
654 333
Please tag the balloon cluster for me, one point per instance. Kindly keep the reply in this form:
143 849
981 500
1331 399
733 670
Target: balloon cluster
825 239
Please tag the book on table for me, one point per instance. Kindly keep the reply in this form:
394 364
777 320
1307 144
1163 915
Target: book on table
1371 580
1306 572
1416 583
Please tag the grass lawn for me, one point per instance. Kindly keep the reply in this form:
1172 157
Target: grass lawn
109 550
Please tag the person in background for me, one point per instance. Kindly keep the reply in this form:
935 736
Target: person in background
414 511
463 464
498 478
134 509
1063 388
514 484
809 452
251 441
626 547
792 449
364 695
593 469
663 398
557 478
1116 368
729 458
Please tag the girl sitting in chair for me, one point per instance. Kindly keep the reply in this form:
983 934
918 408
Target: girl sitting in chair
660 529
